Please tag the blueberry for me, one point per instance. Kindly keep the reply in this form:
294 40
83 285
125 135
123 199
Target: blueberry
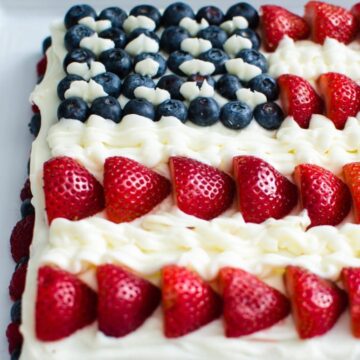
73 108
16 312
236 115
24 260
110 82
133 81
137 32
65 83
79 56
212 14
245 10
149 11
204 111
215 35
227 86
74 36
156 57
27 208
140 107
117 61
171 83
28 167
76 13
15 355
253 57
172 107
217 57
35 124
116 15
107 107
172 38
175 12
176 59
46 44
199 79
116 35
269 115
265 84
251 35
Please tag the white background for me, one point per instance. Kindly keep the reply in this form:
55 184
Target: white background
23 25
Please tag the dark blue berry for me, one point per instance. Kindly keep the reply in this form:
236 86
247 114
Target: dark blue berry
27 208
35 124
74 36
204 111
16 312
117 61
176 59
107 107
116 15
236 115
147 10
172 38
133 81
269 115
137 32
172 107
110 82
24 260
140 107
227 86
79 56
171 83
28 167
212 14
251 35
73 108
46 44
215 35
253 57
78 12
217 57
265 84
175 12
65 84
156 57
116 35
199 79
15 355
245 10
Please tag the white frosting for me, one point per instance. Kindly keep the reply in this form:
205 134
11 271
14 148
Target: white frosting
251 98
147 66
236 43
237 22
96 44
195 46
88 91
196 66
96 25
142 44
155 96
86 71
241 69
135 22
192 26
189 90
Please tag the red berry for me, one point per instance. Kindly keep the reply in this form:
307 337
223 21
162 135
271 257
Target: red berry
35 109
17 283
14 337
352 179
41 66
355 10
26 191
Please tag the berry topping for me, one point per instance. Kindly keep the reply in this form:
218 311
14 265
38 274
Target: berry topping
27 208
46 44
253 57
212 14
175 59
14 337
116 35
117 61
110 82
78 12
204 111
352 179
74 36
147 10
35 124
227 86
172 107
140 31
26 191
172 37
245 10
171 83
175 12
65 84
107 107
269 115
139 107
73 108
21 238
15 312
355 10
215 35
79 56
157 58
116 15
199 79
218 58
250 35
133 81
266 85
236 115
41 66
17 283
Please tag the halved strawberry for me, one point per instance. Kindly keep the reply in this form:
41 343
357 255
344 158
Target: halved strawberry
299 99
14 337
250 305
64 304
331 21
325 197
125 300
342 97
350 278
277 22
352 179
262 191
316 303
71 192
131 189
188 302
200 189
17 282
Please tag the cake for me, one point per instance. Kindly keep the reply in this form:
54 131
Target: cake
194 187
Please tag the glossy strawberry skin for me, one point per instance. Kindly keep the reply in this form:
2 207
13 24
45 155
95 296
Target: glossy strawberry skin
64 304
17 283
277 22
352 178
299 99
125 300
262 191
71 192
188 302
250 305
316 303
14 337
200 189
131 189
325 197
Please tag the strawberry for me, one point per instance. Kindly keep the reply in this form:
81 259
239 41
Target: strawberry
342 97
262 191
350 278
17 283
14 337
26 191
71 192
277 22
125 300
35 109
21 237
352 179
325 197
316 303
299 99
355 10
64 304
188 302
131 189
200 190
332 21
41 66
